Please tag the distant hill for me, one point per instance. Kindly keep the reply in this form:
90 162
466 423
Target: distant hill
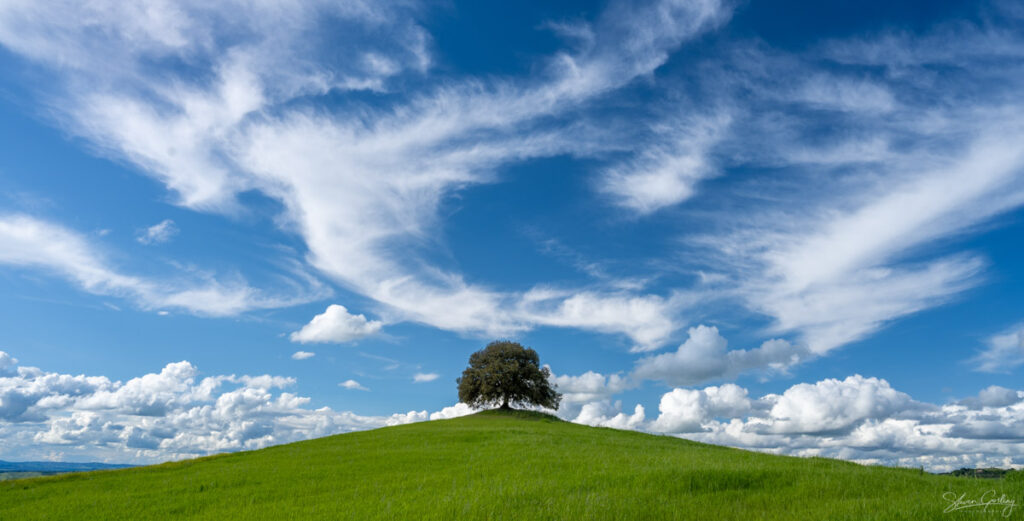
494 465
32 469
53 467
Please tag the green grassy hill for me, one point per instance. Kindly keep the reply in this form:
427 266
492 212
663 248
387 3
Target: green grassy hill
496 465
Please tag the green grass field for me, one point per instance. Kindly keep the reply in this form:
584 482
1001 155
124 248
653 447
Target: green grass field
497 465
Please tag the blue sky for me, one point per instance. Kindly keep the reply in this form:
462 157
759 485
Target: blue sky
791 227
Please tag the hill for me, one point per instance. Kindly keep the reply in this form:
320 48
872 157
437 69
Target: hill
30 469
497 465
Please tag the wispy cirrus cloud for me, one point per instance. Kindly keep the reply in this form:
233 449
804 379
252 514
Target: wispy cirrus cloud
667 172
419 378
855 234
160 232
29 242
356 186
1003 352
215 101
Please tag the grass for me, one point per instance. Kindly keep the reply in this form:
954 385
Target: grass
500 465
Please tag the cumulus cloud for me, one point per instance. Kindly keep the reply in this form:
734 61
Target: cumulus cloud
7 364
26 241
704 357
688 410
424 377
1004 352
336 325
302 355
454 411
835 405
589 386
857 418
603 414
353 385
177 413
993 396
161 232
171 414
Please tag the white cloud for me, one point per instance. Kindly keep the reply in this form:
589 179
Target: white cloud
336 325
1004 352
454 411
839 272
175 413
7 364
29 242
828 91
362 187
647 320
857 231
832 405
704 357
302 355
602 414
589 387
667 174
424 377
860 419
353 385
163 231
357 186
996 396
688 410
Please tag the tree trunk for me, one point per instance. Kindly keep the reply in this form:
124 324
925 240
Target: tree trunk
505 404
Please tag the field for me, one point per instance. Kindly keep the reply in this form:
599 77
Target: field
496 465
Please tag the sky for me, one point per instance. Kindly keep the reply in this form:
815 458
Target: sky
791 227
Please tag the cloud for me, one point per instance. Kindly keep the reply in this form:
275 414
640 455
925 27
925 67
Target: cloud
647 320
158 233
993 396
33 243
454 411
589 386
353 385
857 418
302 355
336 325
424 377
833 405
602 414
1005 351
362 185
837 261
7 364
175 413
171 414
704 357
688 410
667 174
358 186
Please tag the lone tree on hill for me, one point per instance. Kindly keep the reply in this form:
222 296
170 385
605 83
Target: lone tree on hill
507 373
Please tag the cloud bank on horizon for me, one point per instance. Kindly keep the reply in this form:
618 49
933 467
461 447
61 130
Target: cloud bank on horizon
178 414
647 174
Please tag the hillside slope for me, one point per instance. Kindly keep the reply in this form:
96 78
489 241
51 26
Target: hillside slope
499 466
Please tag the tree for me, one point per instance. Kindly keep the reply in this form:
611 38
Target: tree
506 373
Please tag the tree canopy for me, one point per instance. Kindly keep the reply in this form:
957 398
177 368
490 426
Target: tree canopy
508 374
